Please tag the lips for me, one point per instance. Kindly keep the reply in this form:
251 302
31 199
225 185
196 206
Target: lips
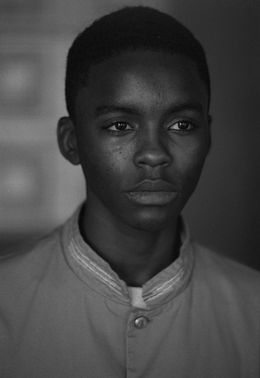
153 186
152 192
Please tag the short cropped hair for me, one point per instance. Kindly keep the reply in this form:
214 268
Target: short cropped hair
130 28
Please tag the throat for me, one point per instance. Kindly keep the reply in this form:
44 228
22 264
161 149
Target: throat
135 256
139 267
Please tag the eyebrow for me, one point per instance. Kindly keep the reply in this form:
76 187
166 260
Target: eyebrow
135 110
193 106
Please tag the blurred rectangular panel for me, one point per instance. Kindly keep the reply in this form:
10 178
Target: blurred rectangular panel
20 83
25 187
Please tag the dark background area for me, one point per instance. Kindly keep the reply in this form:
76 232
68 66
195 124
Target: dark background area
39 190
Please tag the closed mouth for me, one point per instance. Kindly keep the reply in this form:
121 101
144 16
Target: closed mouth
153 186
148 197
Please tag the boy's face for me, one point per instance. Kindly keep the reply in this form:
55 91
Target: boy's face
143 135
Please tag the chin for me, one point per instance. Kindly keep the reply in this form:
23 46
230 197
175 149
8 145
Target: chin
154 221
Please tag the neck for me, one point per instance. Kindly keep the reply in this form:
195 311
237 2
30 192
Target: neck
134 254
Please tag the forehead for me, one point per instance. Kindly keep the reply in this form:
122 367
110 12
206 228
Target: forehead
149 78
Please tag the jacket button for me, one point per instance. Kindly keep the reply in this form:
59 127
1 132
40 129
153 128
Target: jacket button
141 322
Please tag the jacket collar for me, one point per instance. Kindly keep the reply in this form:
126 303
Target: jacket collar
97 273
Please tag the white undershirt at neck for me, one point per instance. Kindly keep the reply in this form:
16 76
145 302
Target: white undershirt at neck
136 296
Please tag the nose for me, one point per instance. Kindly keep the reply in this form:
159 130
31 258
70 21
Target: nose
152 150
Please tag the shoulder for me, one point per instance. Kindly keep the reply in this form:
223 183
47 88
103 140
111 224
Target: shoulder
226 277
213 261
26 264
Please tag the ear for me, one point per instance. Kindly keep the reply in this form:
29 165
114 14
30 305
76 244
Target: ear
209 127
67 140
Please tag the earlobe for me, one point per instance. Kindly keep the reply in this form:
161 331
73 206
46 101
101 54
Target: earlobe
67 140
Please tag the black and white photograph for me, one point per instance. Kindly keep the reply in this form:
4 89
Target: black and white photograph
129 190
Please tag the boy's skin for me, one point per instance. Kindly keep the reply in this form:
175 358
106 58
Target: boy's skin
140 177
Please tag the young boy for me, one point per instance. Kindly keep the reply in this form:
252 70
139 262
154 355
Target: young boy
120 290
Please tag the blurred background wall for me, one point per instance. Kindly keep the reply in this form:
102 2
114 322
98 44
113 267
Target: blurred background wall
39 189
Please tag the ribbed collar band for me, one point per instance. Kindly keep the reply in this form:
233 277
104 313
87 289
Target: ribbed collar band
97 273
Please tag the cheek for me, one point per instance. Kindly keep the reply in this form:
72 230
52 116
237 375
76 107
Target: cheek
190 162
104 167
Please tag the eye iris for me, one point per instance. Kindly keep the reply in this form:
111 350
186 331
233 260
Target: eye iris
120 126
183 125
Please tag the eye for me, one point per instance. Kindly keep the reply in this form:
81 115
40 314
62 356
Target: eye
119 126
182 126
